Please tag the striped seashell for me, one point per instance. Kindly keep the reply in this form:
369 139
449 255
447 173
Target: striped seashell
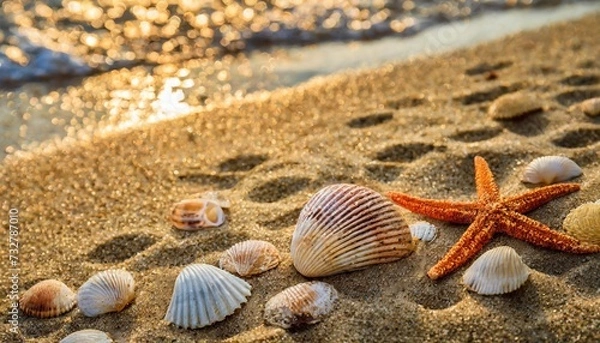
250 258
550 169
583 223
514 105
497 271
591 107
87 336
305 303
46 299
204 294
347 227
107 291
423 231
196 214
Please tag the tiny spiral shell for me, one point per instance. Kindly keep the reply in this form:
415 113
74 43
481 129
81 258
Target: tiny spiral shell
250 258
107 291
196 214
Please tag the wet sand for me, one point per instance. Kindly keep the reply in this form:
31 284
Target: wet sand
412 127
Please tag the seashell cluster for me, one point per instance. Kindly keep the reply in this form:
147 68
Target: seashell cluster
204 294
423 231
550 169
514 105
591 107
583 223
48 298
250 258
305 303
346 227
107 291
497 271
196 214
87 336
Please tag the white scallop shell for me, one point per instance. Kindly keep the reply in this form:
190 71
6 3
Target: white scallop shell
497 271
591 107
195 214
250 258
87 336
423 231
48 298
583 223
514 105
346 227
204 294
305 303
550 169
107 291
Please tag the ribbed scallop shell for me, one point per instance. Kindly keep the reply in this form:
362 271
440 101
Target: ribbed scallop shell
196 214
305 303
591 107
514 105
423 231
550 169
87 336
48 298
250 258
583 223
347 227
107 291
204 294
497 271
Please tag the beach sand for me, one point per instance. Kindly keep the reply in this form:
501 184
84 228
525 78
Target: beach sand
412 127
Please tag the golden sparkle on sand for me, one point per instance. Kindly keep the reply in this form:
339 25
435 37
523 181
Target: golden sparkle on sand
492 213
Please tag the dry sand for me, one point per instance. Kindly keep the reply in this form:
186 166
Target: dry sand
413 127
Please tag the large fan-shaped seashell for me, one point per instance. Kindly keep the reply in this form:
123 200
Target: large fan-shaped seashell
591 107
250 258
423 231
204 294
107 291
347 227
305 303
48 298
514 105
550 169
87 336
497 271
195 214
583 223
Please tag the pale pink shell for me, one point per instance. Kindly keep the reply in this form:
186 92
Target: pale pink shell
550 169
250 258
48 298
497 271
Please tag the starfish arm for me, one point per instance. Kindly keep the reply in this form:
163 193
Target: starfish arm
454 212
470 243
487 189
536 233
531 200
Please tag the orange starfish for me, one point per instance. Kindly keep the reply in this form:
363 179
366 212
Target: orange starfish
490 214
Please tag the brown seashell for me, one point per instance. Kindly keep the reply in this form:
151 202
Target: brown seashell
48 298
583 223
196 214
250 258
591 107
514 105
346 227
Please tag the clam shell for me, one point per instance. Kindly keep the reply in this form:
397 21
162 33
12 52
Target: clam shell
497 271
87 336
347 227
591 107
583 223
48 298
196 214
107 291
305 303
250 258
514 105
204 294
423 231
550 169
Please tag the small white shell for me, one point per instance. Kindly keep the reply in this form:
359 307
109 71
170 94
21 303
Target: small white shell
87 336
195 214
204 294
107 291
423 231
346 227
250 258
305 303
514 105
591 107
583 223
497 271
48 298
550 169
